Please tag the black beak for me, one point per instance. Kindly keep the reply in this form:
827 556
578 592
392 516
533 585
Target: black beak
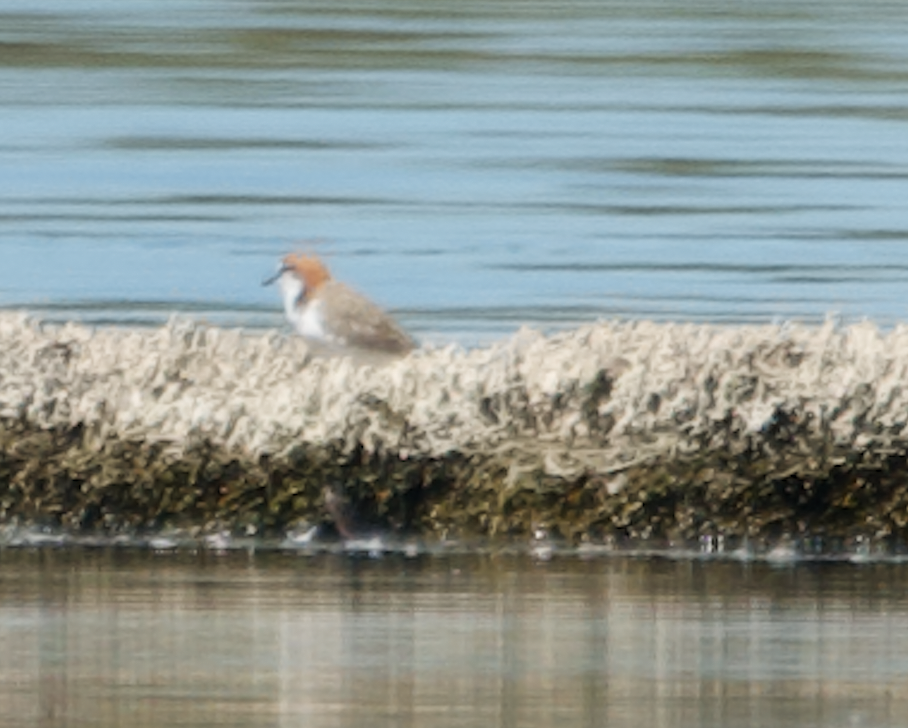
272 279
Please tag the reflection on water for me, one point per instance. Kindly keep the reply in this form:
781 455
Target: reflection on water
472 165
107 637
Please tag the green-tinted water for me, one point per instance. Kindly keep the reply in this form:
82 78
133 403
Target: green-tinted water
106 637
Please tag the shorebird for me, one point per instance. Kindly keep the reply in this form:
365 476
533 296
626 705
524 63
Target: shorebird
331 315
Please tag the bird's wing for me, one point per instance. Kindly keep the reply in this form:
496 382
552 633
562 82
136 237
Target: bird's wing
361 323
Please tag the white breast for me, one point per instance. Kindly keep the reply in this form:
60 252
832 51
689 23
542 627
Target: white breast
307 318
311 321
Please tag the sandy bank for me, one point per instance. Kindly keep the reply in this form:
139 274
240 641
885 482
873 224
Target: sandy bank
627 429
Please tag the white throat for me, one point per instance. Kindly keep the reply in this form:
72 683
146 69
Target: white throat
292 289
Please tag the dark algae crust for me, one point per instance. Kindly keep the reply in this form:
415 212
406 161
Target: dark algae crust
50 479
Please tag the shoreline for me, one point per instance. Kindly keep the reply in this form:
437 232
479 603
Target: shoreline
611 431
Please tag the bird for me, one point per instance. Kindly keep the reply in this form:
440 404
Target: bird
331 315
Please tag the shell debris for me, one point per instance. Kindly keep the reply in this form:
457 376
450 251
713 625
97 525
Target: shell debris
708 429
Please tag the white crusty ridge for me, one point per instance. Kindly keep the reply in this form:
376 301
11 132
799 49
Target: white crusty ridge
596 397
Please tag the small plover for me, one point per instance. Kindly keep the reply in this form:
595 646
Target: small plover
331 315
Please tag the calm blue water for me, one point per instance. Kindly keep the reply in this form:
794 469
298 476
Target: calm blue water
470 165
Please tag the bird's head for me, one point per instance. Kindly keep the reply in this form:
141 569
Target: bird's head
301 274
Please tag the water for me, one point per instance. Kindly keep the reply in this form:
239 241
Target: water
107 637
471 165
